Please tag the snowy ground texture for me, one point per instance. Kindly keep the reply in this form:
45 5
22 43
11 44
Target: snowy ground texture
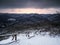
37 40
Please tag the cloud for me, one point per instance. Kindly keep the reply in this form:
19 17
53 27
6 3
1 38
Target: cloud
30 3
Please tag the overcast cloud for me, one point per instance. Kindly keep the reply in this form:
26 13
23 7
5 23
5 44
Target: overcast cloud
30 3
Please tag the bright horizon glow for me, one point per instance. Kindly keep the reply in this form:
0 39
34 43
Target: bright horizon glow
29 10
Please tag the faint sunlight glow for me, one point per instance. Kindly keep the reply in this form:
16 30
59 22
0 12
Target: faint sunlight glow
29 10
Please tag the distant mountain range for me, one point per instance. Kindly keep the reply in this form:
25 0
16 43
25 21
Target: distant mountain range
9 19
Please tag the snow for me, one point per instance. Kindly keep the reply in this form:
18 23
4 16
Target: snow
37 40
11 19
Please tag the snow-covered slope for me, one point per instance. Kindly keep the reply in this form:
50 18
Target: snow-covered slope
37 40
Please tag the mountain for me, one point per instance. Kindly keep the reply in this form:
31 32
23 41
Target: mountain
7 19
10 23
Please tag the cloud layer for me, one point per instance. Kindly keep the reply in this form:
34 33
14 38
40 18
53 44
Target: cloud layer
30 3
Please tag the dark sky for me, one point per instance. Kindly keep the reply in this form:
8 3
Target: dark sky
30 3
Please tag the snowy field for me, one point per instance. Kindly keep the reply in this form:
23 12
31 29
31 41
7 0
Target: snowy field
35 40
